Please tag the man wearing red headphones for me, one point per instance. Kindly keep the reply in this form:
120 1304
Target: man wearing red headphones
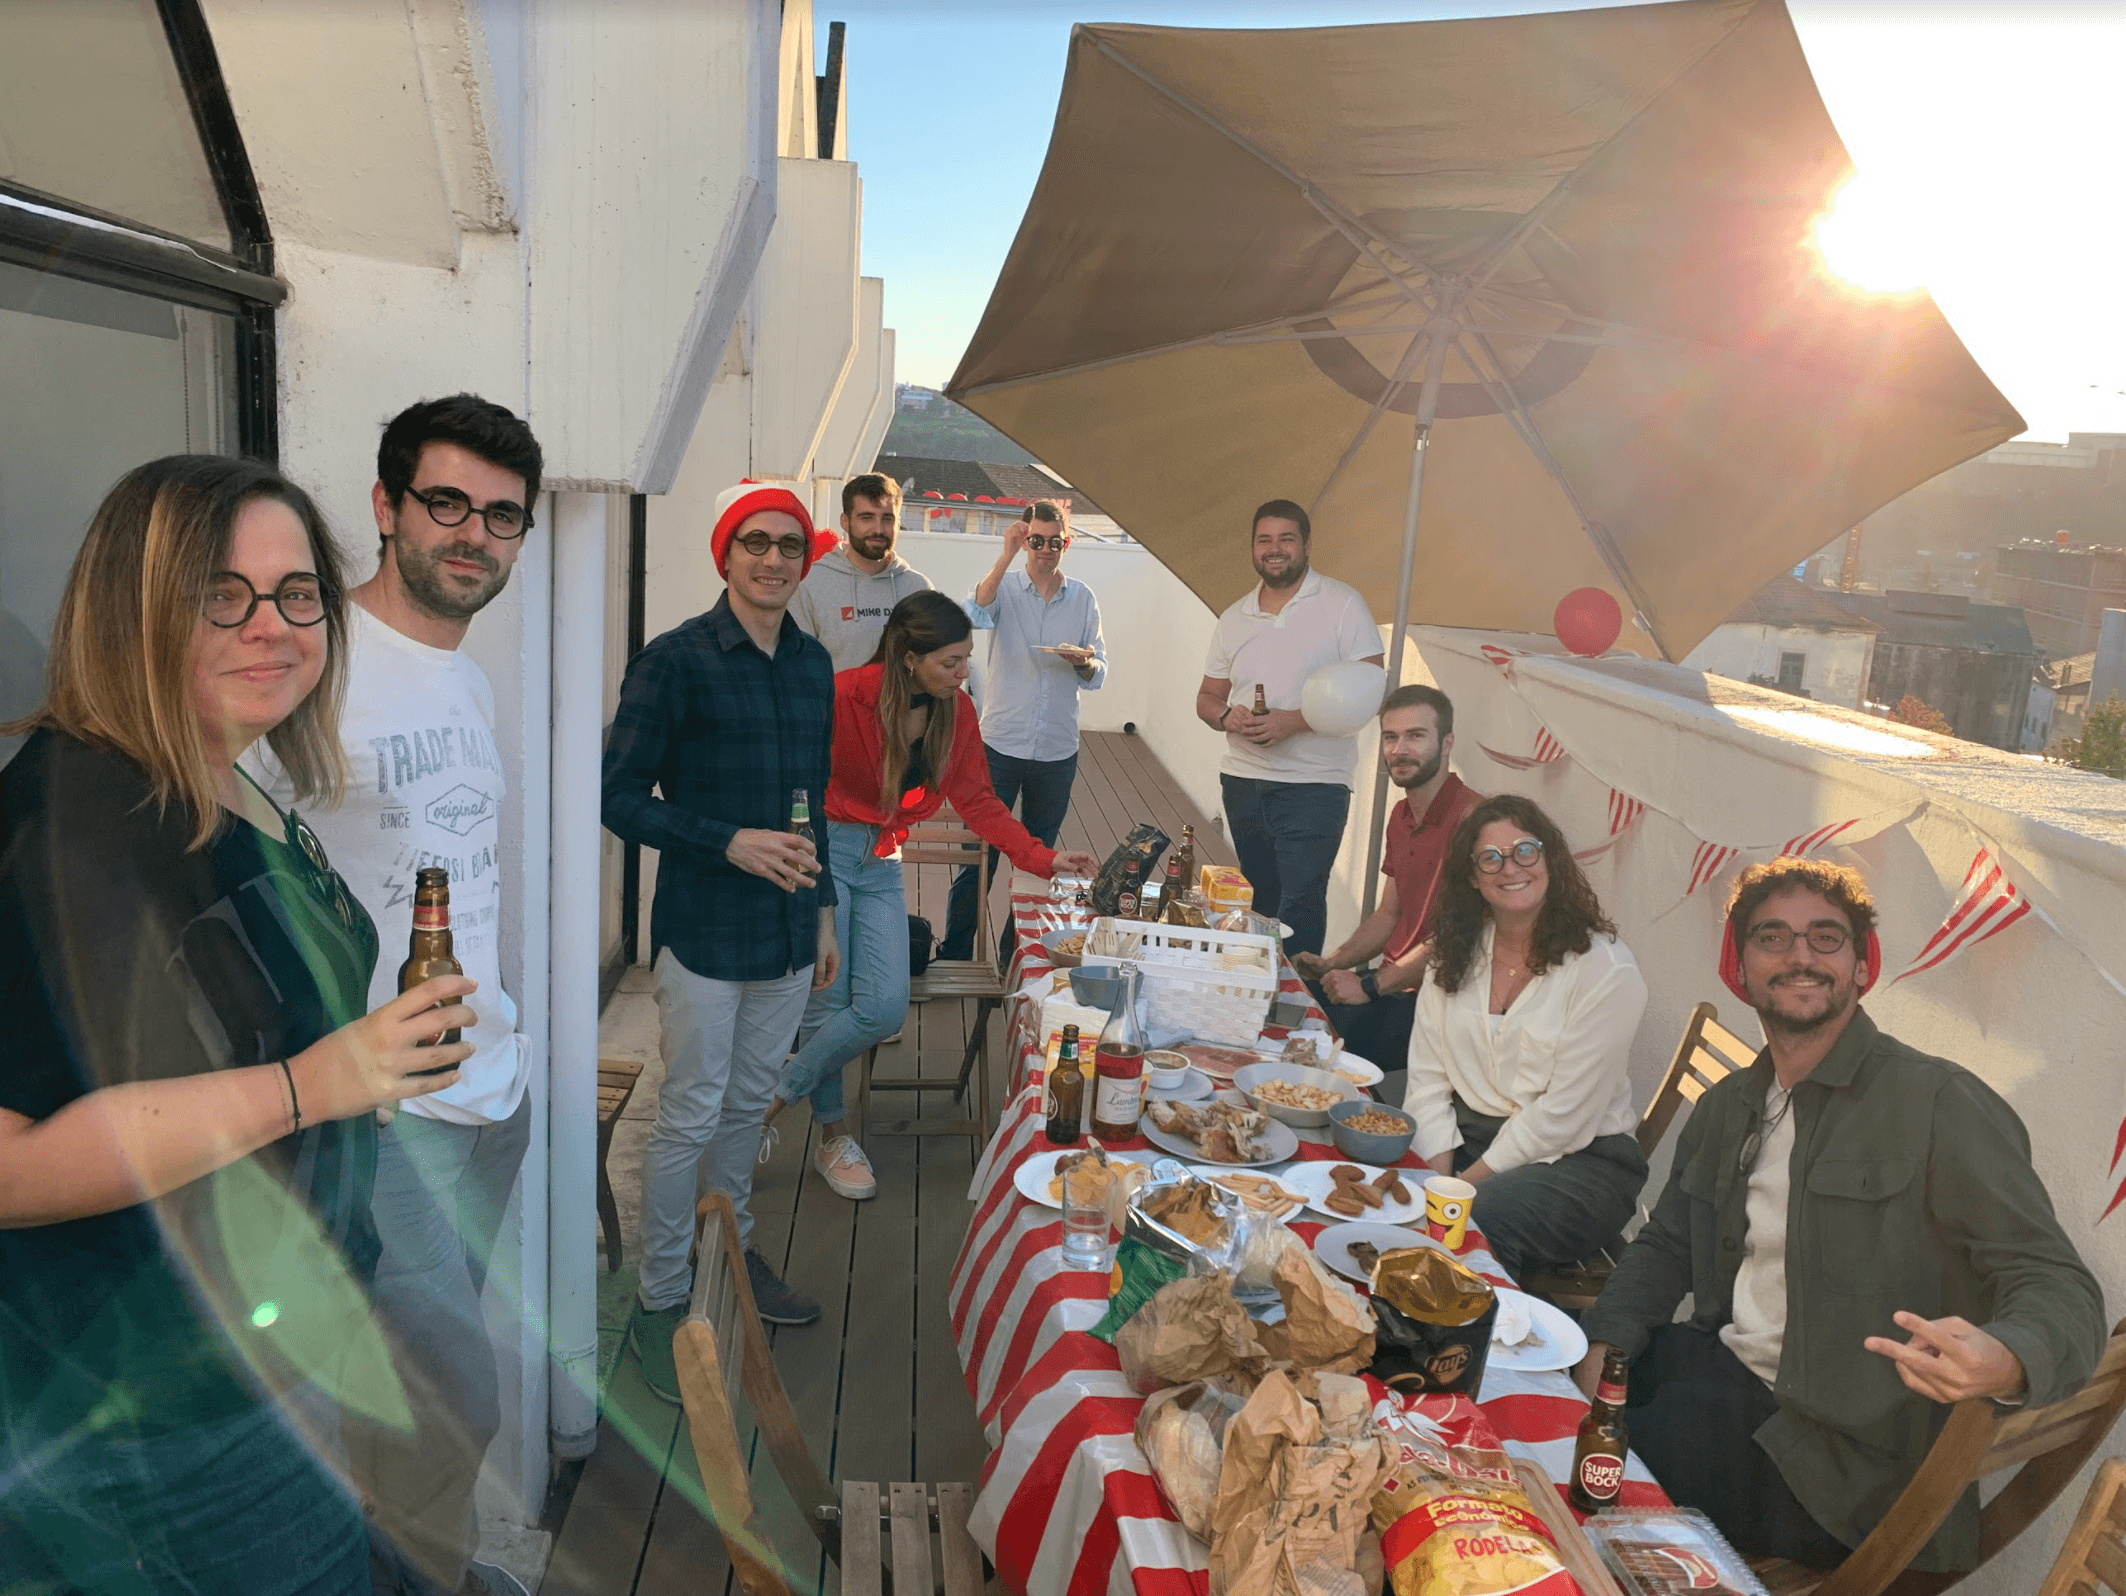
1866 1243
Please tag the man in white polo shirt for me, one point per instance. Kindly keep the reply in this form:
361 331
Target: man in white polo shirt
1287 787
456 479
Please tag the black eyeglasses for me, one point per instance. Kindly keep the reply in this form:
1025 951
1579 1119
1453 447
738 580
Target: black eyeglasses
231 600
1037 543
1824 937
449 507
791 545
1524 853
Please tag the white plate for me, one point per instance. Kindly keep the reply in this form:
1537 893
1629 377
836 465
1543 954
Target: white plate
1360 1072
1033 1176
1333 1245
1559 1343
1213 1171
1195 1087
1311 1180
1279 1138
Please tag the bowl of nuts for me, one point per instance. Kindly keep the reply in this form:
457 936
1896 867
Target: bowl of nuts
1293 1093
1065 949
1370 1132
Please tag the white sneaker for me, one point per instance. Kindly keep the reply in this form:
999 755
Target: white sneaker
845 1169
889 1041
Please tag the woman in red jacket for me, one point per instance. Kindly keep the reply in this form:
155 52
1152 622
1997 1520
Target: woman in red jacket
905 740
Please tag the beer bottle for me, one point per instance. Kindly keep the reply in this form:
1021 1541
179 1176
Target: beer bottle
1066 1092
1171 894
1118 1067
1262 704
801 816
1187 854
1598 1456
428 951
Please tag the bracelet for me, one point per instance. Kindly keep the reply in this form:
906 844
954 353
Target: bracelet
295 1107
1222 715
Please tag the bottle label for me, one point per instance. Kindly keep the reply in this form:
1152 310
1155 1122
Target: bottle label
430 917
1117 1099
1601 1475
1611 1395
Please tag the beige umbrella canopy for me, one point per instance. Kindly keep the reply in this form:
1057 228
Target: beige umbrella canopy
1259 262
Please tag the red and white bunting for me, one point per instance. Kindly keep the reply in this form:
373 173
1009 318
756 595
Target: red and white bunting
1624 812
1503 658
1709 863
1817 841
1548 751
1986 905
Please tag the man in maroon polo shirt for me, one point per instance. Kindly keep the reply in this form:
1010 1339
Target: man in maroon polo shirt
1371 1008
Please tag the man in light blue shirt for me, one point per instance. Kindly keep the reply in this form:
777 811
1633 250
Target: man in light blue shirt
1044 650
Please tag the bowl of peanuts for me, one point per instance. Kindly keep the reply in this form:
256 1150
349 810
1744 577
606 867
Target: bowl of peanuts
1299 1096
1371 1132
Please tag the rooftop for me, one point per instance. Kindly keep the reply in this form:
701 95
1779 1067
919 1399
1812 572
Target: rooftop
1942 620
918 474
1786 602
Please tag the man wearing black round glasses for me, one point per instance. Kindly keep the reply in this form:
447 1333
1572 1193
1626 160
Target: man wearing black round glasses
456 479
1866 1242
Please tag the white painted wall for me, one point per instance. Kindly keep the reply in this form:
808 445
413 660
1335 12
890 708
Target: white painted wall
1837 668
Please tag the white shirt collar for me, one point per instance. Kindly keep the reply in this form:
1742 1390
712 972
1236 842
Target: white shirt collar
1309 585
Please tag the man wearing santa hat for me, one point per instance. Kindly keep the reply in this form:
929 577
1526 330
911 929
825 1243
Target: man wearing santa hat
721 722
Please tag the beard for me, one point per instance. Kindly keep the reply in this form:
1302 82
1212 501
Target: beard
1839 1002
1425 772
1292 576
873 548
435 590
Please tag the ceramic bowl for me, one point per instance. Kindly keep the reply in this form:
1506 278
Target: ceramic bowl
1250 1079
1164 1070
1365 1146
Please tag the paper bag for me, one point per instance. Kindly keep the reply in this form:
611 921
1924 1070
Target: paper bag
1192 1329
1182 1434
1326 1326
1292 1502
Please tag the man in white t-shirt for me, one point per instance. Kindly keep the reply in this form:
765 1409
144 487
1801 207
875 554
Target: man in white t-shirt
1287 787
456 481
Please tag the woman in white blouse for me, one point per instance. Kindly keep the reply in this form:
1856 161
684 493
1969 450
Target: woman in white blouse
1523 1032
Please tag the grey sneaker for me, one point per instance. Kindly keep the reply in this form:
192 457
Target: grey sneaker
778 1304
650 1333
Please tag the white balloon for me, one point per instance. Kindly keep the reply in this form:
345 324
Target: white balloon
1342 696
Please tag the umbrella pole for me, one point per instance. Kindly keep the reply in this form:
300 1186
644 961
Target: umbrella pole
1442 334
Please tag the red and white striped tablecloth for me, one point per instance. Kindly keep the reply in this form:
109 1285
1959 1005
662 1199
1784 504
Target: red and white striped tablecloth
1068 1504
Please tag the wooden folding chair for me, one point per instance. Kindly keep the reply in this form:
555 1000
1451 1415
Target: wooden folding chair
2045 1446
721 1353
944 840
2093 1561
1708 1054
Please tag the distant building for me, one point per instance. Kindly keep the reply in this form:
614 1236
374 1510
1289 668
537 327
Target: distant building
2059 699
963 486
2062 587
1973 662
1794 637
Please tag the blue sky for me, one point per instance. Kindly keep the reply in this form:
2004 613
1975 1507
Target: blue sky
1985 134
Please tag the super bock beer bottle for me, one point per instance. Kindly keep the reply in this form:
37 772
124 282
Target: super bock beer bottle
428 951
1598 1457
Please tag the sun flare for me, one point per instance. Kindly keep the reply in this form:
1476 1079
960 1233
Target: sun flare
1872 238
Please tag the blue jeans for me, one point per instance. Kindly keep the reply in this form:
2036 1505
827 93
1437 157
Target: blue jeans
1041 789
868 1000
1287 834
242 1503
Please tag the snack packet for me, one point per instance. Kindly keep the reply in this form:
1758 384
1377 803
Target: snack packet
1435 1316
1452 1516
1138 1274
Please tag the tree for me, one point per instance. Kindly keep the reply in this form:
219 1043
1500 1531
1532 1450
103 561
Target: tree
1912 710
2102 745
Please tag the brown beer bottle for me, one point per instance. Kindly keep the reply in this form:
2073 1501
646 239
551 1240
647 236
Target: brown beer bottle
428 951
1066 1092
1187 855
1598 1456
1262 704
1171 894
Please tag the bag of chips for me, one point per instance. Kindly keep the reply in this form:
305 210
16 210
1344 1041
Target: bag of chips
1452 1516
1118 889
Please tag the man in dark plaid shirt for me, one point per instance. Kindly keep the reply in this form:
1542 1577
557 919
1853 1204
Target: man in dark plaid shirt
724 717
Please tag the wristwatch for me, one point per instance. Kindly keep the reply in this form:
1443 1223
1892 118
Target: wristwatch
1222 715
1369 983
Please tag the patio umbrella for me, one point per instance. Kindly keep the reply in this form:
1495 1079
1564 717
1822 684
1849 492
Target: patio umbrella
1530 297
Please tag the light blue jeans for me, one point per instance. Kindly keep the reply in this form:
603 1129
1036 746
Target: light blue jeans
868 1000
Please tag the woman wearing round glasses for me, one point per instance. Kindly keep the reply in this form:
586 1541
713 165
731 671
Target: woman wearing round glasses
187 1076
1521 1041
906 739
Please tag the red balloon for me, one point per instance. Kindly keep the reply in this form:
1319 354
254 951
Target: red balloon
1588 620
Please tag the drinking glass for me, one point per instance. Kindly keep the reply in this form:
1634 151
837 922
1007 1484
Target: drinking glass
1085 1226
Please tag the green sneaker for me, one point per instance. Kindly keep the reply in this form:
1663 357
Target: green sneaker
650 1333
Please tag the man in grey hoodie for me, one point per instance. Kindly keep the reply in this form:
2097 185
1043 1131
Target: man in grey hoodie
846 597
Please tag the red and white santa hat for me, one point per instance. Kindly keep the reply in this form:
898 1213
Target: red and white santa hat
735 503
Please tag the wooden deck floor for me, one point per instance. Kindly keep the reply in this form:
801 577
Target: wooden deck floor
876 1383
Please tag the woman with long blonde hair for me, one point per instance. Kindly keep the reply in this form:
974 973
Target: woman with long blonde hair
906 739
188 1081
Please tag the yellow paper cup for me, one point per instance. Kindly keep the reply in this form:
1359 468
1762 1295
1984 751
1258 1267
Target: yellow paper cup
1447 1204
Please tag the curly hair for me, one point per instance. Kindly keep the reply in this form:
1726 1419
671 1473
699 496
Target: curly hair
1843 886
1567 922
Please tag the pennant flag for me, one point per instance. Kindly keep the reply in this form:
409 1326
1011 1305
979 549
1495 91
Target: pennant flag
1817 841
1624 811
1503 658
1548 750
1986 905
1710 861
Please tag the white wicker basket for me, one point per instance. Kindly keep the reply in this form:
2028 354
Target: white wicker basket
1217 985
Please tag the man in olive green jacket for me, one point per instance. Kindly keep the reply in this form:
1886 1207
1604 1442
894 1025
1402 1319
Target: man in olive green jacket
1842 1188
